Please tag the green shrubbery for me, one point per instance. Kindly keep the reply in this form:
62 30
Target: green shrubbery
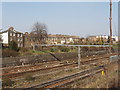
13 46
54 50
93 48
64 49
12 50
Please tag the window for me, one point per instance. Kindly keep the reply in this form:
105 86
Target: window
18 45
10 34
18 39
21 45
21 35
10 39
21 39
13 34
18 35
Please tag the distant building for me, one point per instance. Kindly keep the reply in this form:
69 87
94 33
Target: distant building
27 40
92 38
12 35
103 38
115 39
106 37
51 39
61 39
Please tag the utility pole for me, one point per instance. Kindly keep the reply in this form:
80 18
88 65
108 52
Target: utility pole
79 57
110 45
110 26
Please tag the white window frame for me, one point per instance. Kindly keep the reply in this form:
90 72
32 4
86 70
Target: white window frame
18 35
10 39
18 45
11 34
21 45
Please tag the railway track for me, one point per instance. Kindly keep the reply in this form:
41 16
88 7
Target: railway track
10 75
71 78
27 66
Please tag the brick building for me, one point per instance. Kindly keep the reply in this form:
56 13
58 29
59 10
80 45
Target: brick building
62 39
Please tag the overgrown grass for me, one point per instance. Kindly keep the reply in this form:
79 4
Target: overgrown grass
24 52
102 81
115 46
60 49
29 77
7 82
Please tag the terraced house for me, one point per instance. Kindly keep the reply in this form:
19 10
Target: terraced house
52 39
62 39
12 35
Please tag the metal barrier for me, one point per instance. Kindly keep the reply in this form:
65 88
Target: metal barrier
79 48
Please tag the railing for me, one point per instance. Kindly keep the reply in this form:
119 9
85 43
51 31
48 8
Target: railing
79 48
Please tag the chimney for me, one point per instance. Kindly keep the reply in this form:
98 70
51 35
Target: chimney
11 28
26 33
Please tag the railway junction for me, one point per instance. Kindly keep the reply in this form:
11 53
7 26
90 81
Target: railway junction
80 72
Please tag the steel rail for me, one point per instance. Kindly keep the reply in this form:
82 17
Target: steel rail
75 80
30 71
69 77
72 45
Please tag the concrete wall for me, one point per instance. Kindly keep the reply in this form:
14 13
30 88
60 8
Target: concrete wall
14 61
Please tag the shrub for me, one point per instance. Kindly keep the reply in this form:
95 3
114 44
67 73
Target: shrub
13 46
29 77
24 49
7 82
64 49
29 53
9 53
53 49
85 49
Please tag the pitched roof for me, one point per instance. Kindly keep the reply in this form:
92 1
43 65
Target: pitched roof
60 35
10 29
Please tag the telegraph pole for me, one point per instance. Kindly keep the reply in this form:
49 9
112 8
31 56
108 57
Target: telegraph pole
110 25
79 57
110 44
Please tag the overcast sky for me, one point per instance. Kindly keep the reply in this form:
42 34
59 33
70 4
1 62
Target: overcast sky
78 18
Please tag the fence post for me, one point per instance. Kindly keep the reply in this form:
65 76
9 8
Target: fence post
79 57
34 47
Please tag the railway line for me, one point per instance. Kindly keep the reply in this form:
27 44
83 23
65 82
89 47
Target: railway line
71 78
12 75
27 66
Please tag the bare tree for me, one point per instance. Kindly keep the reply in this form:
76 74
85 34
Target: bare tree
39 33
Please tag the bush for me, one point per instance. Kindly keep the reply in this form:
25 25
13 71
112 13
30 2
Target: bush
28 53
24 49
64 49
85 49
29 77
53 49
9 53
13 46
7 82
